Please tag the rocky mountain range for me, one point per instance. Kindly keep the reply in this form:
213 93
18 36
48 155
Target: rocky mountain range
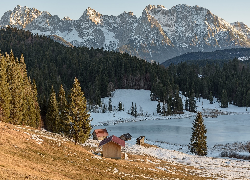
157 35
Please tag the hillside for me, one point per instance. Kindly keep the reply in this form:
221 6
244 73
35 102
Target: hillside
50 63
158 34
27 153
202 58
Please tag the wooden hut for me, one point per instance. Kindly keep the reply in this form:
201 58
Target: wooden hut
140 140
100 134
126 137
111 147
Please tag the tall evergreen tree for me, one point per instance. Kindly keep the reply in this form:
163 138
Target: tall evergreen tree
63 111
135 111
132 109
211 98
78 117
158 108
163 109
120 106
178 104
34 107
192 103
5 95
30 107
224 99
52 116
186 104
198 139
15 82
110 104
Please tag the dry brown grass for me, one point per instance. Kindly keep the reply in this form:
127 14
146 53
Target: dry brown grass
21 157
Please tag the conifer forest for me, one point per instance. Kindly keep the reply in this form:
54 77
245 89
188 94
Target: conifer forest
46 71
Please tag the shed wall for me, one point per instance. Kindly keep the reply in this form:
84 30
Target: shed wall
111 150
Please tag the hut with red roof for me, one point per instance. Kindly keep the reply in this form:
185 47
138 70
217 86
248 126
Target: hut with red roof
111 147
100 134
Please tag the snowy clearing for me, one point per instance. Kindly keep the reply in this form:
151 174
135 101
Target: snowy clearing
147 108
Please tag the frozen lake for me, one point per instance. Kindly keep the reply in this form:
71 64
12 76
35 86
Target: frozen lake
221 130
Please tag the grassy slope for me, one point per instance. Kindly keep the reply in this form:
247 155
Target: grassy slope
22 157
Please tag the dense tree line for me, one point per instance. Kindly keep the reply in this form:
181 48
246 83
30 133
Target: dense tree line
202 58
18 95
100 72
229 83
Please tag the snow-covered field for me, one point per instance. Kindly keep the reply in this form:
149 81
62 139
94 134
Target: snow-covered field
148 108
212 165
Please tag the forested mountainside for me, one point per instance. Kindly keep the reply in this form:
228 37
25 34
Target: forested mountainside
219 56
158 34
100 72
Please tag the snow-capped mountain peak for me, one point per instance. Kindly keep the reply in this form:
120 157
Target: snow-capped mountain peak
93 15
21 16
159 34
240 26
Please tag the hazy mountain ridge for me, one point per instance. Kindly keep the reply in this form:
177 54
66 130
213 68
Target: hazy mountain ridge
159 34
218 56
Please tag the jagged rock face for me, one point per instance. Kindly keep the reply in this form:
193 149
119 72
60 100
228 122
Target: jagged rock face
20 16
159 34
240 26
196 28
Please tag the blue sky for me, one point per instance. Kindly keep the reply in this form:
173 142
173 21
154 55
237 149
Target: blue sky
230 10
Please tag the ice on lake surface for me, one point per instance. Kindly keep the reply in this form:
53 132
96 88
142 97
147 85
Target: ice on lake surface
221 130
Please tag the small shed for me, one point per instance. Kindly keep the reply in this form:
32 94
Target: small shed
100 134
126 137
111 147
140 140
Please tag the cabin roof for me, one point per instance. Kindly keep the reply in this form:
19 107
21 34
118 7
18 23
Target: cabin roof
113 139
101 132
127 135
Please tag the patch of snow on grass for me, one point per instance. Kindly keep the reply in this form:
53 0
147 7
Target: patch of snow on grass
213 167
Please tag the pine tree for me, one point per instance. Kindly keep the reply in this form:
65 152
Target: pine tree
211 98
52 116
34 107
78 117
63 111
248 98
163 109
158 109
26 98
120 106
135 111
110 105
224 99
5 95
31 110
178 104
17 94
198 139
104 109
186 104
132 109
192 103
